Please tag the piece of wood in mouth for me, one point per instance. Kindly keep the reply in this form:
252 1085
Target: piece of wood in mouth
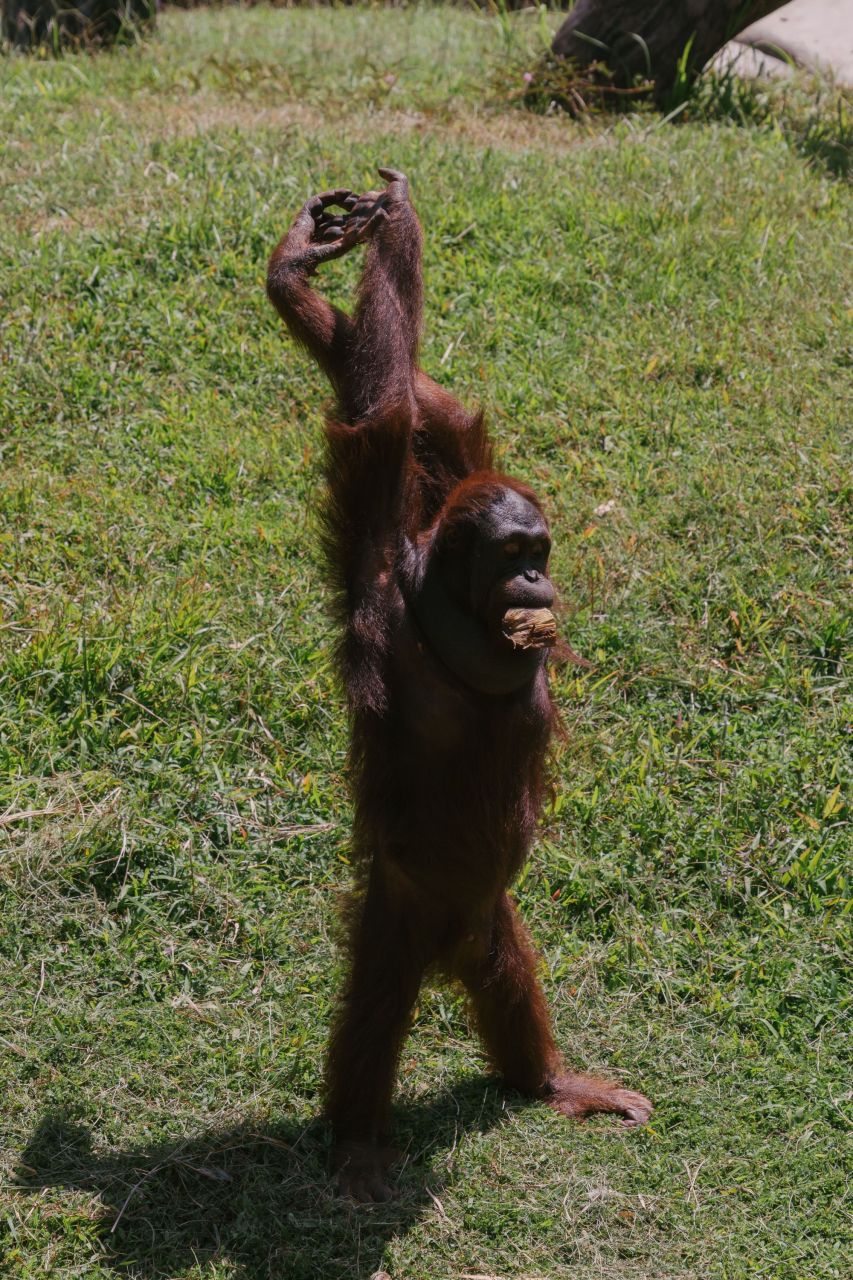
530 628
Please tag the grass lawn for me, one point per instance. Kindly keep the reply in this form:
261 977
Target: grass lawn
658 320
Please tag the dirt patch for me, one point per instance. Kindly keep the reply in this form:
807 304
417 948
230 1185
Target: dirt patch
513 131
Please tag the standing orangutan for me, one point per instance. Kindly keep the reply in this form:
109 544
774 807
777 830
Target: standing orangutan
441 570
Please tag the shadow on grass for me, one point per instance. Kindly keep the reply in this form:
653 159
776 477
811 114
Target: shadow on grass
257 1197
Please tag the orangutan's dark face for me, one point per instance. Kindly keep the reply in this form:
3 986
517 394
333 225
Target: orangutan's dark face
496 562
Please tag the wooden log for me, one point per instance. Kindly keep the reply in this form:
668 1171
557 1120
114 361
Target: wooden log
60 24
665 42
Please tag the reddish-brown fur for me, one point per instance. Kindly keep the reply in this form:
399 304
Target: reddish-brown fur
447 781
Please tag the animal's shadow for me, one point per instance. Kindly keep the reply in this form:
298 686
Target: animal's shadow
257 1196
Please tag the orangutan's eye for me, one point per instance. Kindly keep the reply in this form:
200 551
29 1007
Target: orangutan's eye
511 550
537 549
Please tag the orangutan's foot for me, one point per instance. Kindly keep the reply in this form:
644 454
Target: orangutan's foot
580 1096
361 1169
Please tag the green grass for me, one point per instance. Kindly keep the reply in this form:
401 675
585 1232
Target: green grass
658 322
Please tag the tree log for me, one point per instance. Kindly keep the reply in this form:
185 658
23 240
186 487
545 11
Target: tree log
666 42
30 24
